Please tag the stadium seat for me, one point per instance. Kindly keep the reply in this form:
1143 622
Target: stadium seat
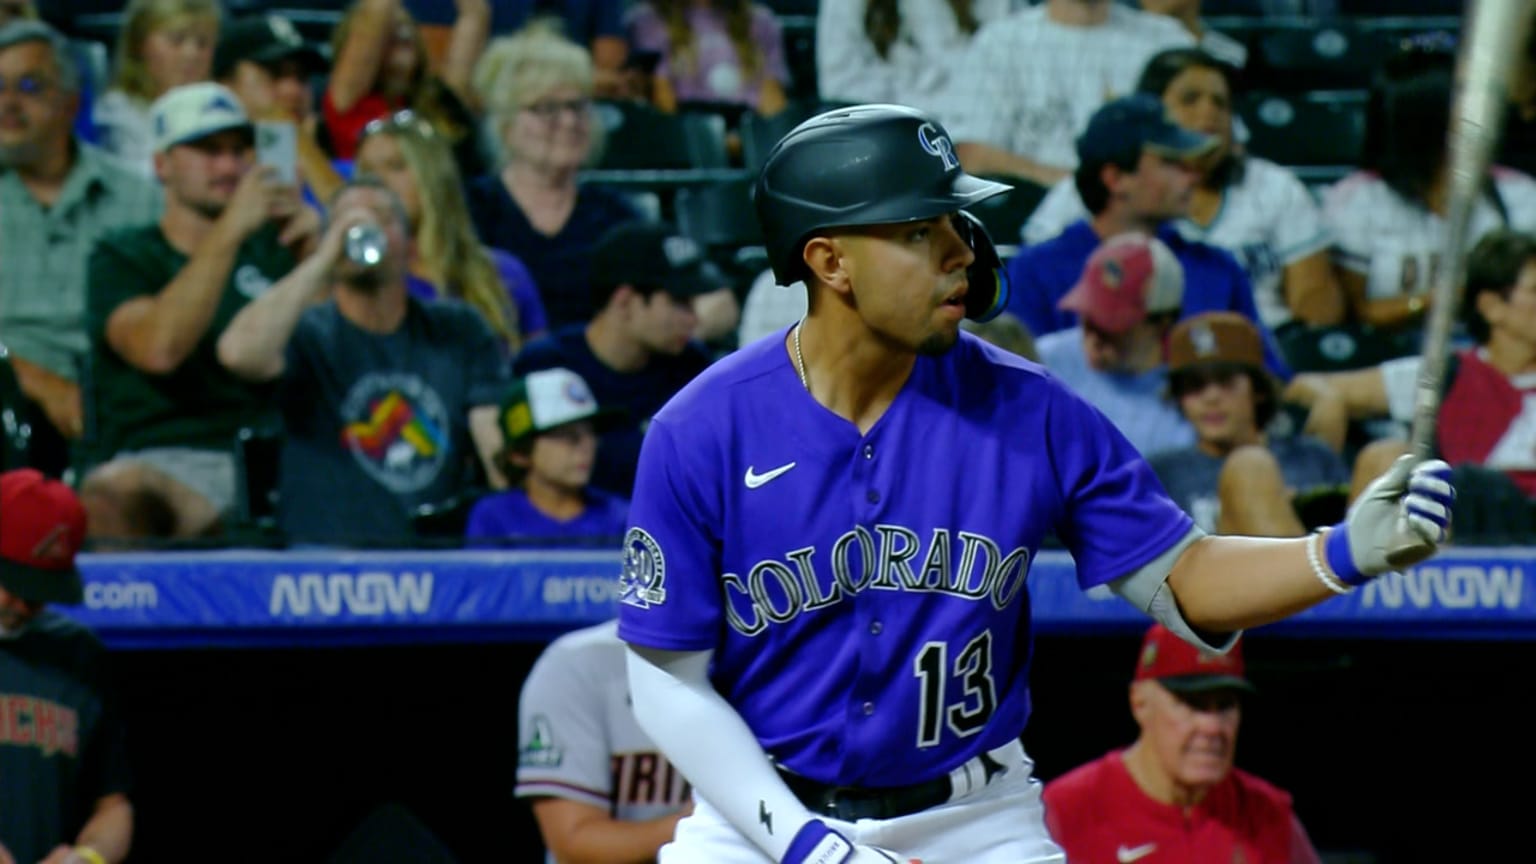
15 433
1005 215
642 138
1322 128
1343 347
257 462
800 56
721 219
1315 56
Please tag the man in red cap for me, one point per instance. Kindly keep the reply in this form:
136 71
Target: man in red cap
63 766
1174 795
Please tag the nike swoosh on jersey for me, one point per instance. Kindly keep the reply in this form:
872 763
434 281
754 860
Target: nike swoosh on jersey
1127 854
754 480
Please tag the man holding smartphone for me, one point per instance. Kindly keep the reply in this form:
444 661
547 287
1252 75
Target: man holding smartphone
158 297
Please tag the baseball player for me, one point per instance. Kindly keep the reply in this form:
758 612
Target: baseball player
600 791
824 582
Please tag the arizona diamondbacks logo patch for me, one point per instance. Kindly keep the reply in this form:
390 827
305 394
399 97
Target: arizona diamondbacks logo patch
645 571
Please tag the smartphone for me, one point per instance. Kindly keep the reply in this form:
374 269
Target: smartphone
277 145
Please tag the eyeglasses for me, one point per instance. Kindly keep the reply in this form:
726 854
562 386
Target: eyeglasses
548 109
28 86
400 121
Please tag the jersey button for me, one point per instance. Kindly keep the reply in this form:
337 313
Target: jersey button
869 708
872 497
869 451
875 627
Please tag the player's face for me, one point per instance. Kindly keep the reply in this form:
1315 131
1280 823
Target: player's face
909 281
1198 99
1193 736
1514 317
1160 188
663 323
1219 404
563 456
204 174
16 613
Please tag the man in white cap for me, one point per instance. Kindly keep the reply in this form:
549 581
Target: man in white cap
167 413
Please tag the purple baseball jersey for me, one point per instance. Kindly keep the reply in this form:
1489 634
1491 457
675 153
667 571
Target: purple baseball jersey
865 594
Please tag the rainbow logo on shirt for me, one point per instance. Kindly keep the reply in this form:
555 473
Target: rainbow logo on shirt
397 430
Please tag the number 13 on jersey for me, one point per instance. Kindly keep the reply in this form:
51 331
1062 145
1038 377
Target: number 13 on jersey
967 714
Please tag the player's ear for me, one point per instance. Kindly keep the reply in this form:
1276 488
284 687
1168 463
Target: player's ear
1141 702
823 256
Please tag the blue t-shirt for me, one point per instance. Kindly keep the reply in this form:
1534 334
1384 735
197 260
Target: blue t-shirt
499 519
637 394
519 285
1135 403
865 594
1042 274
561 264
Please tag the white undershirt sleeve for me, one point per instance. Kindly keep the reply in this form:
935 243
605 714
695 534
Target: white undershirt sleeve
707 740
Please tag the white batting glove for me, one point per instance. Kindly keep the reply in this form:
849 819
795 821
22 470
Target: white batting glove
1400 519
815 843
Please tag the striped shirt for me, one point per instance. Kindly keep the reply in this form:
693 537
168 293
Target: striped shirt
1029 84
44 250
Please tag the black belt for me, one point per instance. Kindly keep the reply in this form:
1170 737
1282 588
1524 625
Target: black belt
852 803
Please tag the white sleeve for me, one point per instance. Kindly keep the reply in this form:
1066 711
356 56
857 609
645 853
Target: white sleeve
1299 228
978 113
847 67
1060 207
707 740
1518 192
1147 589
1346 213
563 749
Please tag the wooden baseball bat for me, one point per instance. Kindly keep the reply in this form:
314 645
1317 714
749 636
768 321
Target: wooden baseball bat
1492 37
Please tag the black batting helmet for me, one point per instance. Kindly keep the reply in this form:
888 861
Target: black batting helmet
873 165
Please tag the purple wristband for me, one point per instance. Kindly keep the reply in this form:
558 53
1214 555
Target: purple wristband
1336 552
815 843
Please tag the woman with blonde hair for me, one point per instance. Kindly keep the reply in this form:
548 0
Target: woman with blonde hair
382 66
408 155
538 88
162 44
728 51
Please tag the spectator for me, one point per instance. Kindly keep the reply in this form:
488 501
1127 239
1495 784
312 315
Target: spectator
62 750
1388 219
1174 794
637 351
1236 478
162 44
1129 296
404 152
1217 44
1136 174
264 60
1029 85
158 297
58 195
538 87
729 51
549 425
381 66
596 24
386 400
601 791
907 52
1251 207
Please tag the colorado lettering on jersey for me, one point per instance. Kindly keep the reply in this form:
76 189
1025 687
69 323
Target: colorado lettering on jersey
32 722
889 558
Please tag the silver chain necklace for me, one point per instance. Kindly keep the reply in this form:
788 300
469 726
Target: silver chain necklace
800 358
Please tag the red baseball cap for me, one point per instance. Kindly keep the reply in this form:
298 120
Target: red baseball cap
1129 277
1183 668
42 525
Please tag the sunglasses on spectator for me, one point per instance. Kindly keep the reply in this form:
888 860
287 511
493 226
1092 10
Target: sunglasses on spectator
548 109
400 121
29 86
